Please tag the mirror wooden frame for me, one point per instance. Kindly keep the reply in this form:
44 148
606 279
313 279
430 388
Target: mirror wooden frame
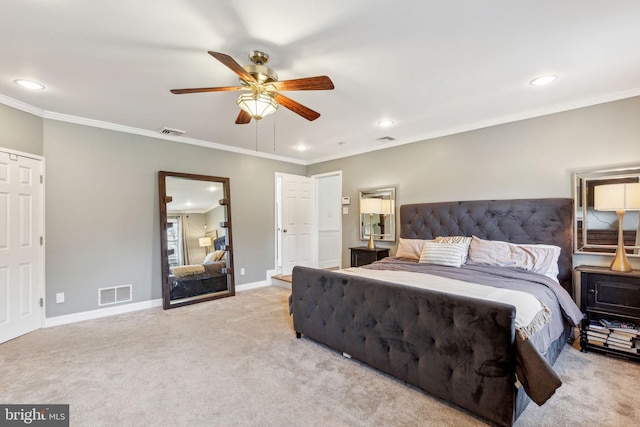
164 199
592 240
389 235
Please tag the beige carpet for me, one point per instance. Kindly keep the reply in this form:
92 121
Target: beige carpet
236 362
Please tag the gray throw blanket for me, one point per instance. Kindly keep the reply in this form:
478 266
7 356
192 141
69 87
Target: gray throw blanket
500 277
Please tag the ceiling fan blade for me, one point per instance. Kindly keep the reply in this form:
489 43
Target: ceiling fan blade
207 89
296 107
233 66
243 118
308 83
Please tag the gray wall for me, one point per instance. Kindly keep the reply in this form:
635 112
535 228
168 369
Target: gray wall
102 225
22 131
525 159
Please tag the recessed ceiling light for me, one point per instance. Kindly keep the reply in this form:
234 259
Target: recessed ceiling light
29 84
301 147
385 123
543 80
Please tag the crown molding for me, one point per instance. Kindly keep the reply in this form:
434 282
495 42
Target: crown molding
50 115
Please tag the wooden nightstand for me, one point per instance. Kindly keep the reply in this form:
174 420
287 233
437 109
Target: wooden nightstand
608 295
362 255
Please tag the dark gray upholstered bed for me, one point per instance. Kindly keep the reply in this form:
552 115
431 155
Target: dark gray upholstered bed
460 349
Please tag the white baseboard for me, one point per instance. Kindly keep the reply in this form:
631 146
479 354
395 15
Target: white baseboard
103 312
127 308
271 273
253 285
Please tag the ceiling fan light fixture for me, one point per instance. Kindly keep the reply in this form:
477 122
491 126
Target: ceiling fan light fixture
257 105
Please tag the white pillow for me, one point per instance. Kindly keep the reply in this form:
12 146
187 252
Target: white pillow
541 259
456 239
449 254
410 248
214 256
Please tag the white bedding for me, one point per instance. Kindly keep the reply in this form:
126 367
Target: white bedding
531 313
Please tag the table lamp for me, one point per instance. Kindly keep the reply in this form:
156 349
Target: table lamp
619 198
371 206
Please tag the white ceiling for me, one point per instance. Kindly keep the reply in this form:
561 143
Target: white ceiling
434 67
192 196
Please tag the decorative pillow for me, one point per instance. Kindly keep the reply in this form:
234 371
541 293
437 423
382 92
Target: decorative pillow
541 259
455 239
410 248
449 254
214 256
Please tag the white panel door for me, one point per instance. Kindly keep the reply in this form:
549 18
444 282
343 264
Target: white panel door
21 252
298 238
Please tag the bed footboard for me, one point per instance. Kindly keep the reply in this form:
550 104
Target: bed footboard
456 348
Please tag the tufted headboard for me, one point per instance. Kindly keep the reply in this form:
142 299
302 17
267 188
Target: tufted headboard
537 221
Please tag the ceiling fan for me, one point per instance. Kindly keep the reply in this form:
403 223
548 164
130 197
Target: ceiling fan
262 87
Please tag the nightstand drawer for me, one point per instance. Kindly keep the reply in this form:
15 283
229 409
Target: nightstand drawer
609 292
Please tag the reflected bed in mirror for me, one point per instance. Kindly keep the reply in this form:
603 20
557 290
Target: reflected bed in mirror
195 238
596 231
380 217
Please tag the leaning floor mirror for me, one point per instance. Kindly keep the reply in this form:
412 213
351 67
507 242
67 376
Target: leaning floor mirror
195 238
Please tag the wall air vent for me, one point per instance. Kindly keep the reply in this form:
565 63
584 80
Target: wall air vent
386 138
114 295
173 132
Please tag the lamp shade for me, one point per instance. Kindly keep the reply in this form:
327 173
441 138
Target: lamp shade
204 241
257 105
387 206
371 206
615 197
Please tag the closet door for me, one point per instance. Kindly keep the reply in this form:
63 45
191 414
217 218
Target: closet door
21 245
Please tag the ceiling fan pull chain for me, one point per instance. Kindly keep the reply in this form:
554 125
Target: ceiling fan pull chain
274 133
256 135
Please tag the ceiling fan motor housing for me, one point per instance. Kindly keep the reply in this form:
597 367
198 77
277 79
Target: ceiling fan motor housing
262 73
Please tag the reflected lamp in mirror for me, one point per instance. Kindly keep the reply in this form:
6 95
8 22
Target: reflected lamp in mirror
596 232
205 242
619 198
381 223
371 207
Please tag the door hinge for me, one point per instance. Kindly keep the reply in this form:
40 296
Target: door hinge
41 179
41 302
41 240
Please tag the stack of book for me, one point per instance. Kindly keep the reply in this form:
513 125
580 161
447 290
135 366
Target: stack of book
614 334
597 334
623 336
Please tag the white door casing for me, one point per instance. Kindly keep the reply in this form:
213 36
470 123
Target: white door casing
329 219
21 247
298 235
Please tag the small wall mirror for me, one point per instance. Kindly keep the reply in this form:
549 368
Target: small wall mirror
377 214
596 231
195 238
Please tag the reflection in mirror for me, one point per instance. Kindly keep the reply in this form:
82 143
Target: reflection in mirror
382 222
596 231
195 238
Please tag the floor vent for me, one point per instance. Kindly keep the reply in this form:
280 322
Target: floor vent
174 132
115 295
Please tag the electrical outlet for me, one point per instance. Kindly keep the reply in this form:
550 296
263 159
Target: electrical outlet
59 297
242 271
